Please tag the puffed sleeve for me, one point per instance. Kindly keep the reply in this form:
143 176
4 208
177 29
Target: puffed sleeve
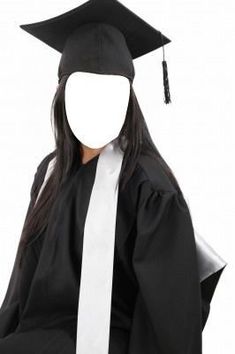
165 265
10 307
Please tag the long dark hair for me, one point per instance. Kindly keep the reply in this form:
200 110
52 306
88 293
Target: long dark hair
68 152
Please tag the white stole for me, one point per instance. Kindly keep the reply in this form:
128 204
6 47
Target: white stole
94 306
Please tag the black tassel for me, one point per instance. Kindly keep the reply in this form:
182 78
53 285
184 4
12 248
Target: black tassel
165 78
166 83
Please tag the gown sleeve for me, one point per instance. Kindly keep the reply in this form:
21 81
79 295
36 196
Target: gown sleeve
165 265
10 307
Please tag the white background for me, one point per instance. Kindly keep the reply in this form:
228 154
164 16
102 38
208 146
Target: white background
195 133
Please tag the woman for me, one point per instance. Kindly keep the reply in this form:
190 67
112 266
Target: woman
158 305
40 303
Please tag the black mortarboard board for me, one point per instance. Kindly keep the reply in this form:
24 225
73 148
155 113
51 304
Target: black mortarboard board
101 36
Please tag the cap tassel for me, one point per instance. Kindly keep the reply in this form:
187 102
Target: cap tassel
165 77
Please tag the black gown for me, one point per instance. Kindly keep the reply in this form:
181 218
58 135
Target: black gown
156 294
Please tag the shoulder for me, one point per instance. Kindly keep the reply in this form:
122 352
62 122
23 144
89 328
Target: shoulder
154 188
152 172
44 162
150 182
40 172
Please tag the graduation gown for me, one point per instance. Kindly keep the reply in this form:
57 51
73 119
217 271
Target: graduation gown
158 305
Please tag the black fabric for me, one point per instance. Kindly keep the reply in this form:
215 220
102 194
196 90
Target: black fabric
208 287
156 295
9 311
100 36
40 341
98 48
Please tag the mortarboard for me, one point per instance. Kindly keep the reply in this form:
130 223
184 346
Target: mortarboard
101 36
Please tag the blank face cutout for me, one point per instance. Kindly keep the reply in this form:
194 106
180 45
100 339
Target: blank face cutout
96 106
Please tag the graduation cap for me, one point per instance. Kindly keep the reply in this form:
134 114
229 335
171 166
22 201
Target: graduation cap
100 36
